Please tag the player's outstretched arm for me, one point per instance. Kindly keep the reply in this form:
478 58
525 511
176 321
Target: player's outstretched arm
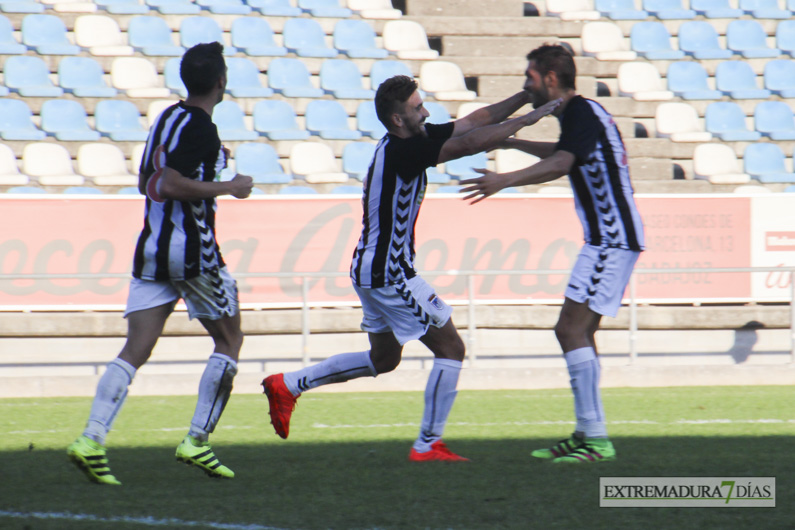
539 149
494 113
175 186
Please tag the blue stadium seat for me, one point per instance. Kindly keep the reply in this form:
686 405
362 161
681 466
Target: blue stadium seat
275 8
82 77
21 6
383 70
129 190
785 36
347 189
174 7
260 162
8 44
26 189
324 8
328 119
779 77
123 7
243 79
748 38
356 39
151 36
47 35
29 76
290 78
196 30
715 9
120 120
438 112
82 190
16 121
668 9
726 120
254 36
341 77
367 120
789 189
700 39
66 120
356 158
276 119
297 190
305 38
764 9
688 80
765 162
225 7
437 177
775 120
463 168
620 10
172 78
229 118
652 41
737 80
448 189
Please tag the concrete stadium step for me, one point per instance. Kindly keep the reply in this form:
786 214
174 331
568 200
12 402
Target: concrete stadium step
464 8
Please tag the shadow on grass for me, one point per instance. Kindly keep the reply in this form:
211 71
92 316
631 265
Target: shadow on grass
372 485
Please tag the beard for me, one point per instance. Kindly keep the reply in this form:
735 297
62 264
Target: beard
540 98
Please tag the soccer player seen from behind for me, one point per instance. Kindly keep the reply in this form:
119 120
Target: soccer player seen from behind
398 305
177 257
591 152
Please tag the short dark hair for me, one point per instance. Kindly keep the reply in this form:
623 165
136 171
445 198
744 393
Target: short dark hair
201 67
393 92
558 59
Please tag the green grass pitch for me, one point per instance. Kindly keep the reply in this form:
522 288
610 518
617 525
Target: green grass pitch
345 464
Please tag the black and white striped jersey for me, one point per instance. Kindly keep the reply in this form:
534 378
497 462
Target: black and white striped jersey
393 191
178 238
603 192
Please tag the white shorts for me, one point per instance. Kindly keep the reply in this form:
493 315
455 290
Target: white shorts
600 277
211 295
407 309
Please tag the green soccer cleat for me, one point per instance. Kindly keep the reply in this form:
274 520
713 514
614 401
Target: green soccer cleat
195 453
90 457
562 448
591 450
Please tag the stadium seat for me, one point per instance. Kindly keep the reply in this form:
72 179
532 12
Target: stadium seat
356 158
438 112
779 76
437 176
726 120
688 80
82 190
129 190
105 165
383 70
463 168
748 38
668 9
175 7
454 188
700 39
9 169
367 120
347 189
8 44
225 7
641 81
172 78
137 77
314 162
156 108
785 36
260 162
16 121
653 41
290 78
46 34
762 9
718 164
135 157
407 40
305 38
342 78
123 7
737 80
254 36
66 120
445 81
620 10
30 77
572 9
21 6
507 160
83 77
766 162
230 120
100 35
356 39
243 79
27 189
196 30
606 42
328 119
751 189
324 8
775 120
297 190
275 8
378 9
120 120
468 107
679 122
151 36
50 164
715 9
276 119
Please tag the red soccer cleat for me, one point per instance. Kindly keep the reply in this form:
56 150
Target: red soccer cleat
282 403
439 452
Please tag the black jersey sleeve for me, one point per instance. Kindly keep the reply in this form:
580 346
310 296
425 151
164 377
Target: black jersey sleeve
195 141
579 130
421 152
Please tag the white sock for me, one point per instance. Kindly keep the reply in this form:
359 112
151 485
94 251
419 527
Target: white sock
214 390
110 396
585 372
440 394
336 369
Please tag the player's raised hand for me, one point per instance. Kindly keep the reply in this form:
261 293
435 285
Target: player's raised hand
479 188
544 110
241 186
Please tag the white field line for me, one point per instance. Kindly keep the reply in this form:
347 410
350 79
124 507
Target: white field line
144 521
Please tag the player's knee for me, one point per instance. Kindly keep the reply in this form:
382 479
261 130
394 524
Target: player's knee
386 364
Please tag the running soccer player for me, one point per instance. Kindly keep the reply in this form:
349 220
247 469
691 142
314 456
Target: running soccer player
591 152
398 305
177 256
